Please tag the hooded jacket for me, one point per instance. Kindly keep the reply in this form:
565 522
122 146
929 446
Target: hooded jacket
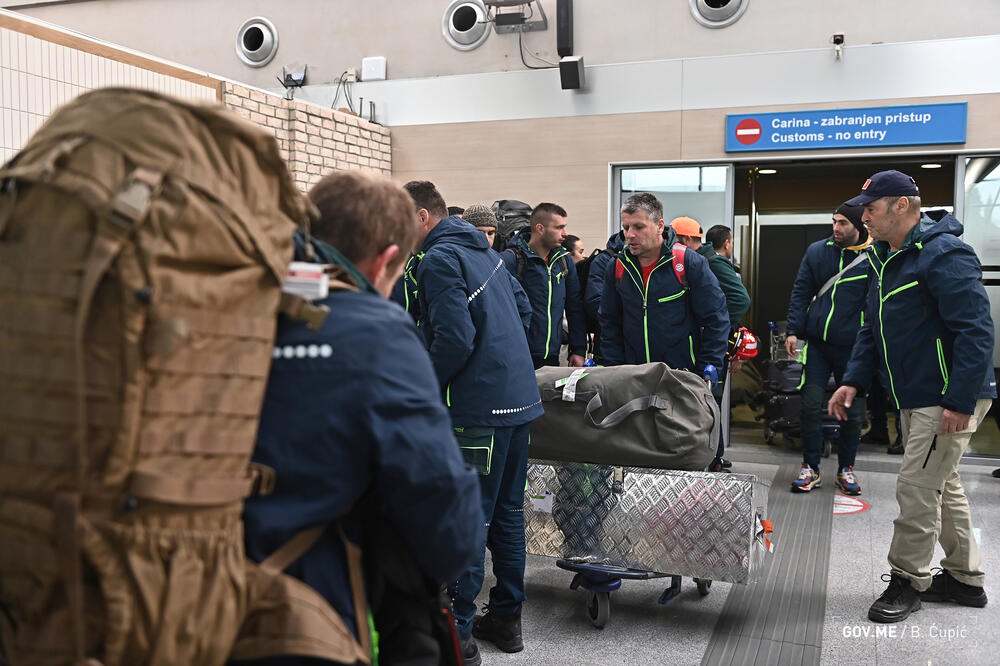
552 287
343 420
684 328
404 292
737 298
837 315
928 329
595 279
475 330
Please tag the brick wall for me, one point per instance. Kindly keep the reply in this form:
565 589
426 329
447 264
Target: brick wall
314 140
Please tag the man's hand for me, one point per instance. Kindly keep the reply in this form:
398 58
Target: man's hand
841 401
575 361
790 343
735 366
952 422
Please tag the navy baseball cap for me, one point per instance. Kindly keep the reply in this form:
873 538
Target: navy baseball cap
885 184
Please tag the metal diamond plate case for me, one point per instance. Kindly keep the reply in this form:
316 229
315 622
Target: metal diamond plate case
694 524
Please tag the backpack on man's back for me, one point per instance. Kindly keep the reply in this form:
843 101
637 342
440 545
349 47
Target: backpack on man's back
512 216
143 243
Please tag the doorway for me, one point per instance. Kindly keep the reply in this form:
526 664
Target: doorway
781 208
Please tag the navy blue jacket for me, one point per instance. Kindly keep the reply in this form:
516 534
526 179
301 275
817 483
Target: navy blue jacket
404 292
595 278
836 316
684 328
552 287
928 328
352 409
475 330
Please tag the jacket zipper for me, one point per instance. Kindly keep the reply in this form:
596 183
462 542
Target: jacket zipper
881 323
943 366
548 306
833 297
645 297
930 451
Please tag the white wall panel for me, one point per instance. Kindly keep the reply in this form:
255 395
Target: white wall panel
37 76
876 71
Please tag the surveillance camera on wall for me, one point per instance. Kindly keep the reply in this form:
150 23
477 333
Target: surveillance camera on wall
838 38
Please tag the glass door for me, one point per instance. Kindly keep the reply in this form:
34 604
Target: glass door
979 212
703 192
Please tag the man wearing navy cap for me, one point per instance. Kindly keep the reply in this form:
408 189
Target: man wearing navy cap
929 334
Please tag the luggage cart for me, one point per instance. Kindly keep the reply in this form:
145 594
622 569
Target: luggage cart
609 524
601 580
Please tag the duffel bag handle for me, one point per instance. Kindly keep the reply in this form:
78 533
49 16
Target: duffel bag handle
614 418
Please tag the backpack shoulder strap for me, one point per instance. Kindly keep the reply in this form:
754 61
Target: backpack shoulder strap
522 261
833 280
679 251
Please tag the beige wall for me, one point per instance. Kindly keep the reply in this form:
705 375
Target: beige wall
332 35
565 160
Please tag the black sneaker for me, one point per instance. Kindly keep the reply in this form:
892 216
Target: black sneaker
944 587
873 437
896 603
726 464
470 652
719 465
897 447
504 631
996 473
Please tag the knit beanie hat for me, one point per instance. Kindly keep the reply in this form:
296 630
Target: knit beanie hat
853 213
480 215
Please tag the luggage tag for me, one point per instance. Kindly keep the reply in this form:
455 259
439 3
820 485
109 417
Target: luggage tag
306 280
476 445
542 503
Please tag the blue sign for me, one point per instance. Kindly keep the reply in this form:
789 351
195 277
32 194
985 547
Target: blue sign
912 125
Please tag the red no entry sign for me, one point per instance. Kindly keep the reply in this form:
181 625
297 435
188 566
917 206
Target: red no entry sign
748 131
842 504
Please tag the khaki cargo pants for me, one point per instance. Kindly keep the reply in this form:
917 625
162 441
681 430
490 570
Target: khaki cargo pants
932 502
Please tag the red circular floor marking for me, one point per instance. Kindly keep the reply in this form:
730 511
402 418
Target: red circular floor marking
842 504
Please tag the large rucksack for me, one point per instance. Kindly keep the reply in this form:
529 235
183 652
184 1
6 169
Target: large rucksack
512 216
143 242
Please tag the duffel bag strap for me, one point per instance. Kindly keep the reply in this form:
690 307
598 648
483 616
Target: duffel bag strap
614 418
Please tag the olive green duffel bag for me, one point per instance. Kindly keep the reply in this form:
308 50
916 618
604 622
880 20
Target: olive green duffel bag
629 415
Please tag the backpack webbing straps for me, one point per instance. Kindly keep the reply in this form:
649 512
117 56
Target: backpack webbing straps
201 490
295 548
127 207
66 514
353 554
301 309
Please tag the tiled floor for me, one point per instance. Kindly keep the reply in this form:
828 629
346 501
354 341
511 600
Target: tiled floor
640 631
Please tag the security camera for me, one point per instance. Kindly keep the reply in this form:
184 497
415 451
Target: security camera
838 38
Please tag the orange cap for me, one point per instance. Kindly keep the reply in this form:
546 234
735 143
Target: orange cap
686 226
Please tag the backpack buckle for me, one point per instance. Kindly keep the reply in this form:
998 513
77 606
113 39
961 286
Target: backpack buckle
131 202
263 478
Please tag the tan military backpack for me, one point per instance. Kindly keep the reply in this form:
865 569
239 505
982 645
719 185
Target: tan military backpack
143 242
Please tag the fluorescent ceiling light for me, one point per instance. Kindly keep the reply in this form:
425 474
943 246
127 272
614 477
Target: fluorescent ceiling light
930 166
767 172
